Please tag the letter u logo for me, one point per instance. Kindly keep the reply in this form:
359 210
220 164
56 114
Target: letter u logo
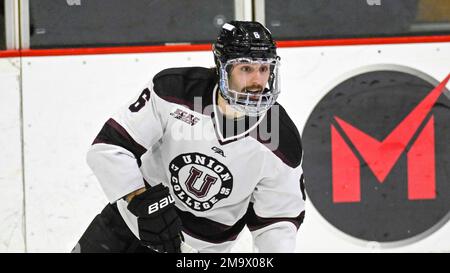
194 175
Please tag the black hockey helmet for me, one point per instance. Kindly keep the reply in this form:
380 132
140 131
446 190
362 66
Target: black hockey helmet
244 39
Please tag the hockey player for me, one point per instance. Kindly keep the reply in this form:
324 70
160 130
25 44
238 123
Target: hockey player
200 154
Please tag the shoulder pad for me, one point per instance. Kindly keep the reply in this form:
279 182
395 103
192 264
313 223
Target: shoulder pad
182 85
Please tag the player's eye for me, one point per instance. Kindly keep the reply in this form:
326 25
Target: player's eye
246 69
264 69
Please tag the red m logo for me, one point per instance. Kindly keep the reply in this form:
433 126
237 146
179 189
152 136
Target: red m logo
381 156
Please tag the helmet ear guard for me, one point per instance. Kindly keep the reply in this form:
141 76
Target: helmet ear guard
251 42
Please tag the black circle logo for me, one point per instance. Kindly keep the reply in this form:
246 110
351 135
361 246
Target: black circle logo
200 181
377 155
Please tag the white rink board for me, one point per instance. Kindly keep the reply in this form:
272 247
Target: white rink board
67 99
11 190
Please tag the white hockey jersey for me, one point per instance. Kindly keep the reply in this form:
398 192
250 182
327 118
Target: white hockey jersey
173 133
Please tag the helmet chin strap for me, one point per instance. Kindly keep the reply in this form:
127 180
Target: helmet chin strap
226 109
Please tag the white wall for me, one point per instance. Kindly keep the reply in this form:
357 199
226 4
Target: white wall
67 99
11 190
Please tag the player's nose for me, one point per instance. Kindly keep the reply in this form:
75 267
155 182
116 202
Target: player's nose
257 79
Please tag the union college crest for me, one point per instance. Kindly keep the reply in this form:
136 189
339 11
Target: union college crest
200 181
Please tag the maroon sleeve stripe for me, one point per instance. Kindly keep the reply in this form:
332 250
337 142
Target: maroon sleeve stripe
255 222
114 134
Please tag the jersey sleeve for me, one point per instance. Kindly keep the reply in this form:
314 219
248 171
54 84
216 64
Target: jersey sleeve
277 210
114 156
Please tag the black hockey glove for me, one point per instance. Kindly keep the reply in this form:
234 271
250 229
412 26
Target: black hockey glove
158 222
